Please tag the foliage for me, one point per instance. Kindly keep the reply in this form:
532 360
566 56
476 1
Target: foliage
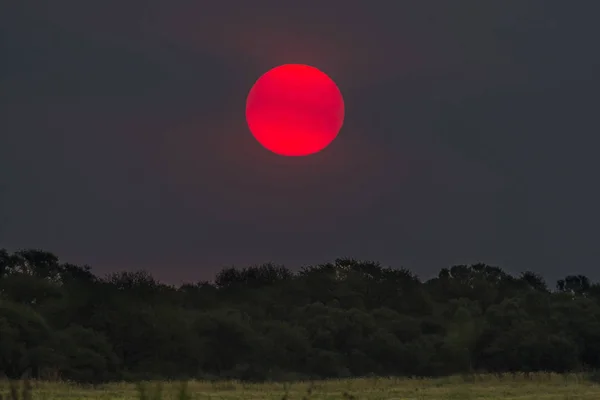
339 320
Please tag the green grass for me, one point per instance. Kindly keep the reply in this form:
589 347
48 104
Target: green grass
541 386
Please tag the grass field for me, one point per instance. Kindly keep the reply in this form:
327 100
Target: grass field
539 386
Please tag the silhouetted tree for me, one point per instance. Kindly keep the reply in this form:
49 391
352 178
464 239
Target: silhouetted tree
339 319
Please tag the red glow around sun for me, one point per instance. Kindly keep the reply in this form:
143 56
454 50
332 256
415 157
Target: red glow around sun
295 110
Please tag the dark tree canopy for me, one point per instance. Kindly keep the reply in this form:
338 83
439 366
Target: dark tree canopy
341 319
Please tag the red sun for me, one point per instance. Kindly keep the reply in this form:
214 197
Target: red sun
295 110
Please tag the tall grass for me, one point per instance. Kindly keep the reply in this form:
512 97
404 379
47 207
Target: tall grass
535 386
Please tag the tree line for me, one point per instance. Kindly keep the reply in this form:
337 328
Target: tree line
342 319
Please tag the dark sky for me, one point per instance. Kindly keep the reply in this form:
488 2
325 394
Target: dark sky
471 134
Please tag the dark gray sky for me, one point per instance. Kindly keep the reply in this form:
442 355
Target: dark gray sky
471 134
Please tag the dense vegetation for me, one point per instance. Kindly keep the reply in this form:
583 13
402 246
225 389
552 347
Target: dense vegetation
349 318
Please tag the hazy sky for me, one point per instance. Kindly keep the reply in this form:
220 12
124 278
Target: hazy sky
471 134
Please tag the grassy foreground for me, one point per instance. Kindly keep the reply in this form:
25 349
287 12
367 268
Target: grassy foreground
539 386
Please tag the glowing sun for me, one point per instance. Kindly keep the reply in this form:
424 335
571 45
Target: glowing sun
295 110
